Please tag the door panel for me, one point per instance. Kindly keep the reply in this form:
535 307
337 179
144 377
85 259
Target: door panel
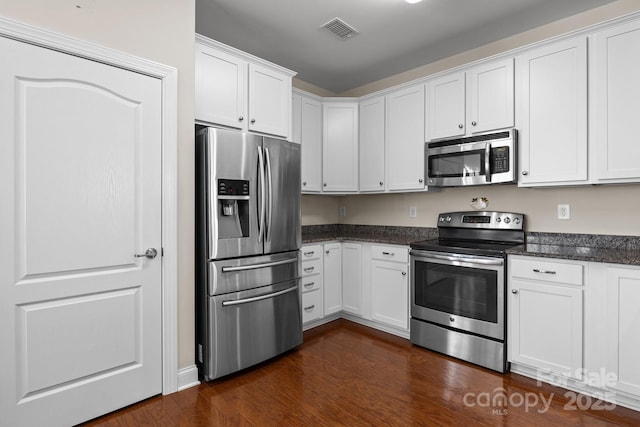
80 177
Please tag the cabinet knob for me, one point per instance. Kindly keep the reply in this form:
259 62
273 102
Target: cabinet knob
326 252
460 126
404 273
381 183
420 180
241 118
304 183
324 184
253 121
514 291
452 319
473 123
525 173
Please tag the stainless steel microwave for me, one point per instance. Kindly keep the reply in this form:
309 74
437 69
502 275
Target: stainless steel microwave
475 160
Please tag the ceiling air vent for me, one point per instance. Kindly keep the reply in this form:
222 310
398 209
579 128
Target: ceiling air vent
340 29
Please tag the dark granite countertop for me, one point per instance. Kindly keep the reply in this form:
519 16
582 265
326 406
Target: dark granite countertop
577 247
581 247
389 235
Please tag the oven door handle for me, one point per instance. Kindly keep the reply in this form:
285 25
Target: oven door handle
463 258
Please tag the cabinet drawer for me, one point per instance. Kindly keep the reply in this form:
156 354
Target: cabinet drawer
311 283
548 271
390 253
311 267
311 252
312 306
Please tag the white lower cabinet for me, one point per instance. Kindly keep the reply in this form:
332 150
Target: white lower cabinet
576 324
312 283
622 338
545 327
366 282
332 278
352 278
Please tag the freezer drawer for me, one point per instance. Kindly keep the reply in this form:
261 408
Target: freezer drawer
241 274
249 327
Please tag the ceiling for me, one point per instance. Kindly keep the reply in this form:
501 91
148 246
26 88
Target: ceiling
394 36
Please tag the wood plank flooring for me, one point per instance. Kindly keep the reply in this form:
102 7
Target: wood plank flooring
345 374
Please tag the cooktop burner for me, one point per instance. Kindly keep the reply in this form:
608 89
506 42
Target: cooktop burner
476 233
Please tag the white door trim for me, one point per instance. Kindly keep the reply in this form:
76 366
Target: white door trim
169 77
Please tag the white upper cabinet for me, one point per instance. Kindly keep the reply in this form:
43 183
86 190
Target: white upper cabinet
372 127
478 100
615 104
405 139
240 91
340 146
307 131
551 86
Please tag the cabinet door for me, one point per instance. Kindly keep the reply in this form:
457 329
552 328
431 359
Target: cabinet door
615 103
340 146
352 278
552 84
269 101
221 80
332 278
372 144
545 327
389 293
311 140
296 118
623 323
446 106
490 96
405 139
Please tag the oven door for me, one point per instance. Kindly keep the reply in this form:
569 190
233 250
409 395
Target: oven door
462 292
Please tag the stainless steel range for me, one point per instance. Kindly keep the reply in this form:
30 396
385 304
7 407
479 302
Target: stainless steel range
458 286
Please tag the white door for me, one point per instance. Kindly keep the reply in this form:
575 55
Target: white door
446 106
372 128
80 315
269 101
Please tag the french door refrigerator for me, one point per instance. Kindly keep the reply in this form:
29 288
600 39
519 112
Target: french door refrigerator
248 295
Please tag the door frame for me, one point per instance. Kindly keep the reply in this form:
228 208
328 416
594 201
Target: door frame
169 79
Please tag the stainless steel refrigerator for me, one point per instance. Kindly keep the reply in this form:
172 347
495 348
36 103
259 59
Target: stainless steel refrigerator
247 250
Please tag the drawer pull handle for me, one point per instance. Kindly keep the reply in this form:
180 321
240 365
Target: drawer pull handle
310 284
309 253
311 307
388 253
544 271
308 269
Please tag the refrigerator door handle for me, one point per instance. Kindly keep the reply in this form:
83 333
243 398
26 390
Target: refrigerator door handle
255 266
259 298
262 202
269 195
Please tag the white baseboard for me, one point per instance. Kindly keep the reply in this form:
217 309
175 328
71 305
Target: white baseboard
188 377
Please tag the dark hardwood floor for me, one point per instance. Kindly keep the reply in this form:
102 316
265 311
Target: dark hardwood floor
348 374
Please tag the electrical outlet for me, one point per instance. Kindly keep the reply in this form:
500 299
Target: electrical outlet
413 212
343 211
564 212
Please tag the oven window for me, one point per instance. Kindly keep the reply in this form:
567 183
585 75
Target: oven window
463 291
455 165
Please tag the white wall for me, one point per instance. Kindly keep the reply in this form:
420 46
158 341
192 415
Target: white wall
161 31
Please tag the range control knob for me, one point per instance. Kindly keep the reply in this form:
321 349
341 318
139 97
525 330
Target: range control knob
441 219
516 220
498 219
507 220
448 219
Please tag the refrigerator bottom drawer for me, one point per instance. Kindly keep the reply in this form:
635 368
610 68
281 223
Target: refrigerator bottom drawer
250 327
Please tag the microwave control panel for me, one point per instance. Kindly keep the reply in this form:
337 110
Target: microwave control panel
499 160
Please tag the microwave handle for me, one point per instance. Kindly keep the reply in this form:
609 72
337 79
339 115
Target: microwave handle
487 162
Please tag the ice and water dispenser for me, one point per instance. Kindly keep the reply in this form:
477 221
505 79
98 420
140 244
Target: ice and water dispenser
233 208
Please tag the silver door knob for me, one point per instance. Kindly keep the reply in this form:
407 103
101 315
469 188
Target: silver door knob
525 173
473 123
514 291
381 183
253 121
420 180
404 273
460 126
241 118
304 183
151 253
